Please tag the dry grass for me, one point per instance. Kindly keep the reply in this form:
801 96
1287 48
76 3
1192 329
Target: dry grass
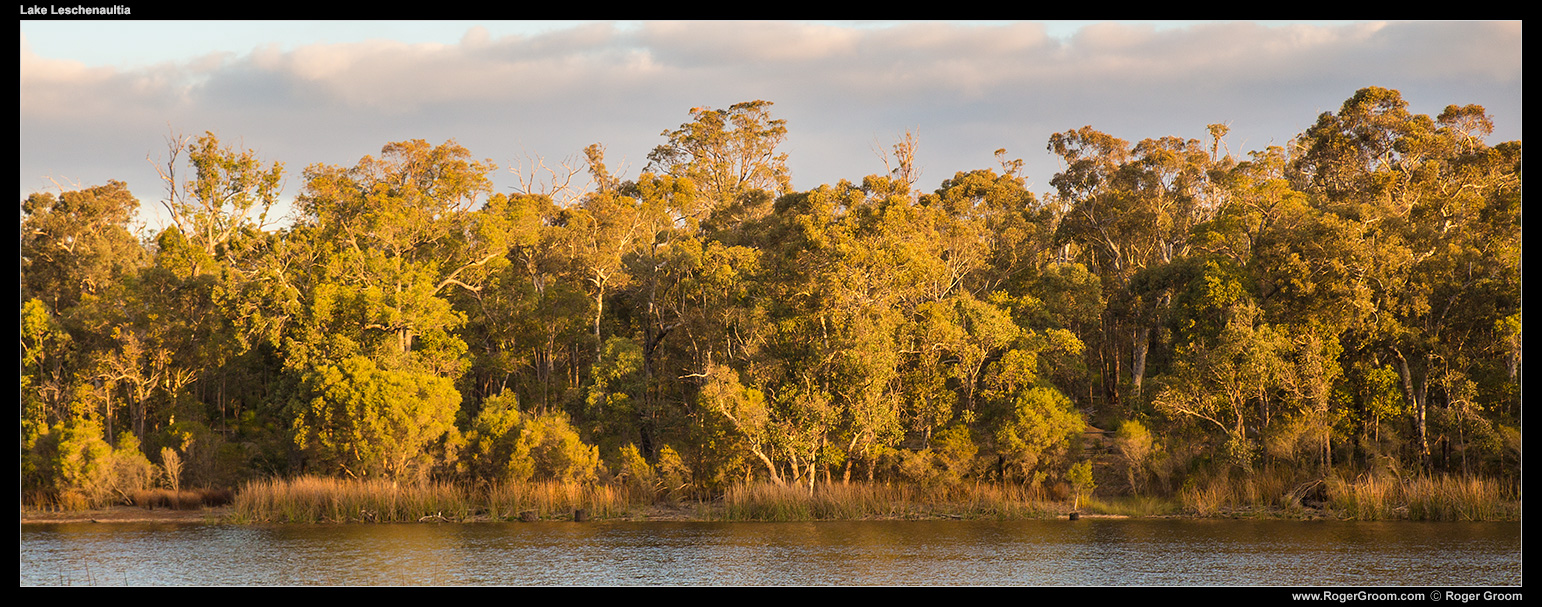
1368 498
314 499
187 499
1449 498
552 499
774 502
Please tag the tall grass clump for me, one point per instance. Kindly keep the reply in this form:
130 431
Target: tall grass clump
1449 498
1443 498
1264 490
1368 499
1130 505
184 499
312 499
779 502
555 499
1206 497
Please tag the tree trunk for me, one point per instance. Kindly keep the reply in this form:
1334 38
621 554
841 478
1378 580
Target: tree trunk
770 467
1141 345
1414 396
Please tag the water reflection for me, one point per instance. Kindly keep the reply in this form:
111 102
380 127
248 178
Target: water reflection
1040 553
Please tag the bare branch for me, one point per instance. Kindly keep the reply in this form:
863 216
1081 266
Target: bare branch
558 182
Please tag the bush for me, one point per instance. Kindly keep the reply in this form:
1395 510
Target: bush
506 445
72 466
359 418
558 452
1135 446
636 474
1038 433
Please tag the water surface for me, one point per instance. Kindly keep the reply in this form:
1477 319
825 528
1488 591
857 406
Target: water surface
1096 552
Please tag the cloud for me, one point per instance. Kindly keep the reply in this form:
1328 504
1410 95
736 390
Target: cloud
967 89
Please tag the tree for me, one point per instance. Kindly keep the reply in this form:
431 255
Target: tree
1034 425
227 186
727 153
1129 209
1438 213
383 243
596 235
1228 375
744 408
361 419
77 243
1080 477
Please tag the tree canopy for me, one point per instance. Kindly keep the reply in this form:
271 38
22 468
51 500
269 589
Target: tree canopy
1349 300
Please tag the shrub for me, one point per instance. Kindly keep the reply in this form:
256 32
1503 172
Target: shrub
1040 430
558 451
1135 446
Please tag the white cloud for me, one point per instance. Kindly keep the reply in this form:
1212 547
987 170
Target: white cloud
968 89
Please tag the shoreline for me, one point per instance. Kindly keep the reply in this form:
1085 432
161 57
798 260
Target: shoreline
222 515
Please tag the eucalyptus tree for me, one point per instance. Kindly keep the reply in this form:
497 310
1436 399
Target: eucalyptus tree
731 155
1128 209
380 248
77 248
384 242
1438 210
227 187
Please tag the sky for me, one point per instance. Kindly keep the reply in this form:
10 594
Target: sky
100 97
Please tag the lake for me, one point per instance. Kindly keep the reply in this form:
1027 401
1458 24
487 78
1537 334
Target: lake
1089 552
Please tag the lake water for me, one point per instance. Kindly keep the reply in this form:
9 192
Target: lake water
1090 552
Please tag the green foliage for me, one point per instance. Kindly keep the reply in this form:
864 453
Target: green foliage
558 452
506 445
1038 433
1350 302
1080 477
77 243
360 419
494 449
1136 446
727 152
72 464
613 399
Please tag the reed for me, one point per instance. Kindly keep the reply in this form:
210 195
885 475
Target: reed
779 502
313 499
1206 498
1449 498
1369 499
185 499
1442 498
1131 505
555 500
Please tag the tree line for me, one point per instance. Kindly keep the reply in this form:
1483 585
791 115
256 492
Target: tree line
1349 302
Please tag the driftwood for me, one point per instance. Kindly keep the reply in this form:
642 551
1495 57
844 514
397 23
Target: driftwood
434 518
1311 494
528 516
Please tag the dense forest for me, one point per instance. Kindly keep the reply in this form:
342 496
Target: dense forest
1349 304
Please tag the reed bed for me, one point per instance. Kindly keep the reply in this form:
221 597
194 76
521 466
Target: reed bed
1443 498
776 502
1267 490
1367 498
1131 506
314 499
185 499
555 500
